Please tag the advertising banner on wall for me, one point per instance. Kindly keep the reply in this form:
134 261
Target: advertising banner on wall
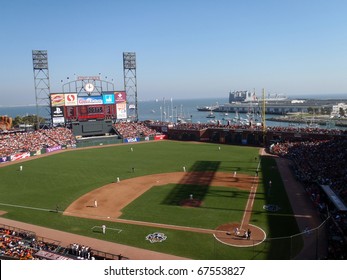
120 96
4 159
19 156
70 99
57 99
90 100
132 140
121 110
160 137
53 149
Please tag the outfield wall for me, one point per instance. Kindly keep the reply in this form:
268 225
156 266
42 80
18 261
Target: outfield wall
98 141
217 135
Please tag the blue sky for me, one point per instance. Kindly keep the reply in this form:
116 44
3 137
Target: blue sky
184 49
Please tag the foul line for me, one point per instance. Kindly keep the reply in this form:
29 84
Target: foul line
251 197
31 208
134 222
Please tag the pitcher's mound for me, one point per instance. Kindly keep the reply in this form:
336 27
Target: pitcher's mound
191 202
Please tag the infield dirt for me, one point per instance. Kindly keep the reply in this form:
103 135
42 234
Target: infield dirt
112 198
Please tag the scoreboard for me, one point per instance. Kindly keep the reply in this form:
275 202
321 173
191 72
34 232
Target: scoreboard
66 107
86 112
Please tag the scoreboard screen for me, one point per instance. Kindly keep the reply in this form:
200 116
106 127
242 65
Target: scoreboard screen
95 110
86 112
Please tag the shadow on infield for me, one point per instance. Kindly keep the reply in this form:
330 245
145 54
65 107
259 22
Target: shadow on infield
198 181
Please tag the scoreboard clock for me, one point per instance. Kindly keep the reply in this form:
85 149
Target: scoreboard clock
89 87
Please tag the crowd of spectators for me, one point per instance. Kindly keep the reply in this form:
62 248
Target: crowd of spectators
324 162
61 136
306 129
132 129
13 142
201 126
21 245
233 126
317 164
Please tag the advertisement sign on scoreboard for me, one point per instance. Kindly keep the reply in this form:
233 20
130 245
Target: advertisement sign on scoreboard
71 99
58 112
91 100
121 110
57 100
59 120
108 98
120 96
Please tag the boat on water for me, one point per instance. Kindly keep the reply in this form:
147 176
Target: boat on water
207 108
212 121
210 115
183 120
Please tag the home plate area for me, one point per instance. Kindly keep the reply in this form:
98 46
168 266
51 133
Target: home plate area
226 234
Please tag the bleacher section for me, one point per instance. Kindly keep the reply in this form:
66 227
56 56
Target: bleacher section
19 244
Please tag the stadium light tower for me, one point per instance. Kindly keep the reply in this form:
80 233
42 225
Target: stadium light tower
42 87
130 84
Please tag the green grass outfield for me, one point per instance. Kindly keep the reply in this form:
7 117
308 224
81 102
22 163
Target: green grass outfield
61 178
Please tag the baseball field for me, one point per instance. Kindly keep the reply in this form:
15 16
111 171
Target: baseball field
195 194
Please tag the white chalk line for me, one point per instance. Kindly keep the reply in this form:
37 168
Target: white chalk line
31 208
251 196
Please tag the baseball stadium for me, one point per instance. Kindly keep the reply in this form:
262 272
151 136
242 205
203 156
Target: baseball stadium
94 182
